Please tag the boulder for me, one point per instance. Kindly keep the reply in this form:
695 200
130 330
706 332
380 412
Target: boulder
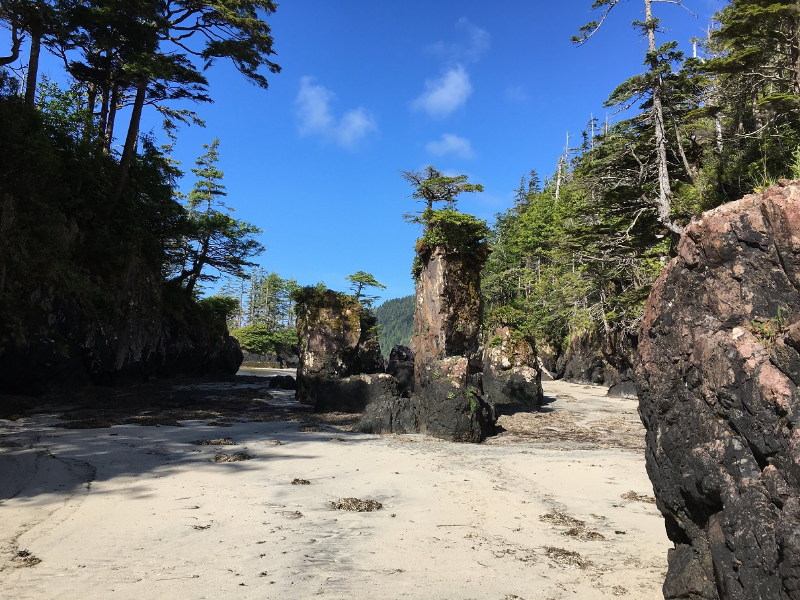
338 339
282 382
511 373
390 415
401 367
717 377
353 394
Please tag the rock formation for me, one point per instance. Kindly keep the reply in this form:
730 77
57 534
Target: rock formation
511 374
151 331
447 350
717 377
338 339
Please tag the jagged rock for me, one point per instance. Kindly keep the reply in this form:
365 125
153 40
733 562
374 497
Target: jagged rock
717 378
353 394
446 344
338 339
511 372
401 367
282 382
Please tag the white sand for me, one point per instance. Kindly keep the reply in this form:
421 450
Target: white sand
160 520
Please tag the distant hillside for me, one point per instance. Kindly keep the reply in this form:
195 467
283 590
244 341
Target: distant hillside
396 318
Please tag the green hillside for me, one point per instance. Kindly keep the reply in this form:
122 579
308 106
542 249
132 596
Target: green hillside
396 318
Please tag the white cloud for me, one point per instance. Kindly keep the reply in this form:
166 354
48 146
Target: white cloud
477 43
516 93
446 94
450 143
316 118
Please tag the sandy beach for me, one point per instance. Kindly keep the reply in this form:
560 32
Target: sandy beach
557 506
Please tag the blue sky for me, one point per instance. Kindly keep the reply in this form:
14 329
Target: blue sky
369 88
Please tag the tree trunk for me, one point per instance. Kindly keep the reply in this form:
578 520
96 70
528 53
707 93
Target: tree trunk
112 115
665 191
130 145
33 62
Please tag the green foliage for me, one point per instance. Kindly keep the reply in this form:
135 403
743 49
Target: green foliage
396 318
361 280
769 330
431 185
259 338
455 232
219 307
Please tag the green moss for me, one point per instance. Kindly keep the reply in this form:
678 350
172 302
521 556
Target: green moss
455 232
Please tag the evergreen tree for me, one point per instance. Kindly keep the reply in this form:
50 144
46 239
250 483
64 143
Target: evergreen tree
214 238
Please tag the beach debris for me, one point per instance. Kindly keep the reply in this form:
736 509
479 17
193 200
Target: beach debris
214 442
354 504
634 497
298 481
26 559
218 424
310 427
273 443
201 527
566 558
236 457
559 518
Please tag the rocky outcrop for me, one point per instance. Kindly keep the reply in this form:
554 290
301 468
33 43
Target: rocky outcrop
717 377
583 361
152 331
338 339
447 350
511 373
401 367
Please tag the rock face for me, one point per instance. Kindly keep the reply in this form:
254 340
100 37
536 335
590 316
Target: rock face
717 377
74 346
447 352
511 373
337 340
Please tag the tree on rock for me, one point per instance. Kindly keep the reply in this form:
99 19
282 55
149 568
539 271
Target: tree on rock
434 186
361 280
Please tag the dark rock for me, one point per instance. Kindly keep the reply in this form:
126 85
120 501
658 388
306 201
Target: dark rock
282 382
717 378
447 350
338 338
583 361
401 367
72 347
283 359
353 394
511 372
390 415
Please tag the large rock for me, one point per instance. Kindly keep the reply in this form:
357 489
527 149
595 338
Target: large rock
447 351
390 415
353 394
511 373
152 330
401 367
338 339
717 377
